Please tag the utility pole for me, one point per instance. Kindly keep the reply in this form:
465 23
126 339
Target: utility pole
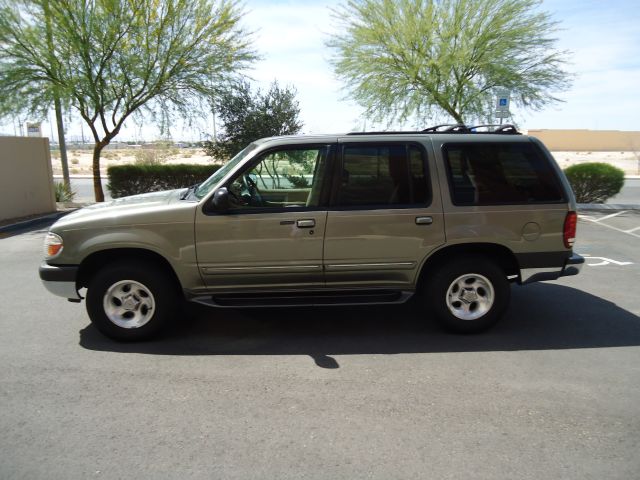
57 104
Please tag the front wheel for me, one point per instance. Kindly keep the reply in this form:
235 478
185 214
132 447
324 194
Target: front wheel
468 295
131 302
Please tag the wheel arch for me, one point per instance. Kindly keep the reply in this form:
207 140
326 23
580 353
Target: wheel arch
93 262
500 254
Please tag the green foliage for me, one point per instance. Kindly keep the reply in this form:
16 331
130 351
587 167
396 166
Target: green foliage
63 192
111 59
127 180
404 58
247 117
298 181
594 182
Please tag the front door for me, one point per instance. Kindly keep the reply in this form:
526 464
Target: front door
272 236
385 216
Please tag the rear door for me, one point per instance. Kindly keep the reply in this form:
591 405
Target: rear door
385 214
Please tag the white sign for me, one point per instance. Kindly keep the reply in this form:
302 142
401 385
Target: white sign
502 103
34 129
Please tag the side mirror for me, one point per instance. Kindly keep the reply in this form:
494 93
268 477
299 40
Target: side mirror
220 200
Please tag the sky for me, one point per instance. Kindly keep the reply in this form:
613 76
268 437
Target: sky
603 37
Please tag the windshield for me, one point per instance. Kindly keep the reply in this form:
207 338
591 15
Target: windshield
206 186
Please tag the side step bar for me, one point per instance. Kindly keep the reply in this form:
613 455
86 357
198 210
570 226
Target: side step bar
297 299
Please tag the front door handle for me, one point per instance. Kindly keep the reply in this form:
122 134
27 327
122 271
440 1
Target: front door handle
306 223
424 220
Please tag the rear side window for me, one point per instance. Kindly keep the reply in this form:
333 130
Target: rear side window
383 175
500 173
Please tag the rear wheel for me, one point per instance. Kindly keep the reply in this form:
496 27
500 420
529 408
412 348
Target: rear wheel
468 295
131 301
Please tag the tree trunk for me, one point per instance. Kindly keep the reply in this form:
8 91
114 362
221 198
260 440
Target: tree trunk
97 181
62 144
56 101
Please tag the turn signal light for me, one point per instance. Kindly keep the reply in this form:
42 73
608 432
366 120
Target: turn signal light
570 223
52 245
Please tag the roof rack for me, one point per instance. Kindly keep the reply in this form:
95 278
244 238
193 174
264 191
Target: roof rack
505 129
450 128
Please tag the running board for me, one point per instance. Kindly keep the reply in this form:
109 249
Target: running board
298 299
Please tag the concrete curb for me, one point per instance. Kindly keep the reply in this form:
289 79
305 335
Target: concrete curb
32 222
76 176
607 207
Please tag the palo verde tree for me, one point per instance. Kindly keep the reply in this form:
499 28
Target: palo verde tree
112 59
406 58
247 117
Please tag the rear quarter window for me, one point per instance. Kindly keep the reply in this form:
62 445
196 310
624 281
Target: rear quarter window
500 173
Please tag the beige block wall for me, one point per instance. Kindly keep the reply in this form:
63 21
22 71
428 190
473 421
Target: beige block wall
26 185
588 140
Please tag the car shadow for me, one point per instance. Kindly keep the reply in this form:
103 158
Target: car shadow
542 316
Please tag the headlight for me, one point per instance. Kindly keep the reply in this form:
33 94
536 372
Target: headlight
52 245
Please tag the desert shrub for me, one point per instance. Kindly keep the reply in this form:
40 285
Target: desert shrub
63 193
151 156
133 179
594 182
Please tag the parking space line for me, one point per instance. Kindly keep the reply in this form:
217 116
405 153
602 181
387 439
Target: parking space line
632 230
609 216
628 232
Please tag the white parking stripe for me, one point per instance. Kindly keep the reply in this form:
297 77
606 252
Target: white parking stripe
609 216
632 230
609 226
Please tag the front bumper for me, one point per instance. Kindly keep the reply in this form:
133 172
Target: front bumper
60 280
572 266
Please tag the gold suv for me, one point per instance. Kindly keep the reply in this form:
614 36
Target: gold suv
454 214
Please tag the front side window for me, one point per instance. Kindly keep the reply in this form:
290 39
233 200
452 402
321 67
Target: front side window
500 173
285 178
205 187
383 176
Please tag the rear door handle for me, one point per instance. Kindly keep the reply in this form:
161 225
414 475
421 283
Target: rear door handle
306 223
424 220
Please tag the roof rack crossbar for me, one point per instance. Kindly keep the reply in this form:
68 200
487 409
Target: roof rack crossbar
436 128
506 128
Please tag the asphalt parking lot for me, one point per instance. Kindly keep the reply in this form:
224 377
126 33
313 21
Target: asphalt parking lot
552 392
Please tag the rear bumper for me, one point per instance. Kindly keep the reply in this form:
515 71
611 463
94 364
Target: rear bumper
60 280
572 266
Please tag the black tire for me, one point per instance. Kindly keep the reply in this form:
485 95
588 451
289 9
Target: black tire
152 296
477 278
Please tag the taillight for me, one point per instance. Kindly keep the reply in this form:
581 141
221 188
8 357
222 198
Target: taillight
569 234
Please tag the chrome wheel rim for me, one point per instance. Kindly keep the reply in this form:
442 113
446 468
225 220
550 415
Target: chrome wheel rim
129 304
470 296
